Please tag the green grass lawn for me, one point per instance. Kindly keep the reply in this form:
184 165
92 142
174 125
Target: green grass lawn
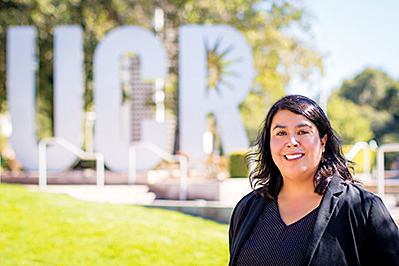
51 229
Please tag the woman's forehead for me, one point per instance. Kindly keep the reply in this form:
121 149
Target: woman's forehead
286 118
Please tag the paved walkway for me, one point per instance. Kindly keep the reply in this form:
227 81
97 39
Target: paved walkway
139 195
116 194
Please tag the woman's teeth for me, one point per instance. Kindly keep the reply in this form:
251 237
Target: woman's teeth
291 157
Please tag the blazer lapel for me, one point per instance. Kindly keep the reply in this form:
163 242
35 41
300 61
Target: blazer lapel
327 207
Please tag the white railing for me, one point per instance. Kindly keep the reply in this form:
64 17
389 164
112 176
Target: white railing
366 156
72 148
169 157
380 166
100 161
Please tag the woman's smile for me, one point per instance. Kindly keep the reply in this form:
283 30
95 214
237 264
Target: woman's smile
295 145
292 157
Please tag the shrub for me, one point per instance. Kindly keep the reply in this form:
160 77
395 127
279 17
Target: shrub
237 167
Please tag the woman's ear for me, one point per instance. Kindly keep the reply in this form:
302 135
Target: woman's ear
324 141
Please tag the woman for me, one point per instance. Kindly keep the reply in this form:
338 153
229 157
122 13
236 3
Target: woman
305 208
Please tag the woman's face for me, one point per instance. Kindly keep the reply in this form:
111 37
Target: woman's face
295 146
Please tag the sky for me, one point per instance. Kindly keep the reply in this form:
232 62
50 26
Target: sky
351 35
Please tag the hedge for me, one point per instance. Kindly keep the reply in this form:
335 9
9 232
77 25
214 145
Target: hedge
237 167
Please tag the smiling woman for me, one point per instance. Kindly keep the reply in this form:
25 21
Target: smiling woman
296 146
305 208
296 149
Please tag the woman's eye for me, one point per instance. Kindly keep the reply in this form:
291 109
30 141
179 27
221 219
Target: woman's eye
303 132
280 134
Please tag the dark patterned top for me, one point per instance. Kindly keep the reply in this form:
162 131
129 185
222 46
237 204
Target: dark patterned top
272 242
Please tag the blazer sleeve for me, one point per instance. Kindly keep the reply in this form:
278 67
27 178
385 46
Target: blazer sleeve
233 225
382 235
236 218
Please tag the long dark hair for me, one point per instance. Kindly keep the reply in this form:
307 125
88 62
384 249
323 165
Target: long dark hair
266 178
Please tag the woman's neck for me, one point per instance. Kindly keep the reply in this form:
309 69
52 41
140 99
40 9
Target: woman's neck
297 190
297 199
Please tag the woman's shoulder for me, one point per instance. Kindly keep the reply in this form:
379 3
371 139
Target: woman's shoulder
250 200
339 185
358 189
246 212
356 195
247 200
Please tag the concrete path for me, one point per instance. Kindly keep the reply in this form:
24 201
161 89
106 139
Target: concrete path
116 194
139 195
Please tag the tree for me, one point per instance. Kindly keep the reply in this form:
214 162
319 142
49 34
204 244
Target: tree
347 119
278 53
377 97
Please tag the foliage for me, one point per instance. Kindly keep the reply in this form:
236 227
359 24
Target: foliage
268 26
347 119
49 229
237 167
376 97
370 101
7 156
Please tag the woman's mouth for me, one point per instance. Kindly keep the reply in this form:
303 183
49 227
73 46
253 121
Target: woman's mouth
293 156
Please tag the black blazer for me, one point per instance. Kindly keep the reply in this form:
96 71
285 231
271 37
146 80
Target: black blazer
353 227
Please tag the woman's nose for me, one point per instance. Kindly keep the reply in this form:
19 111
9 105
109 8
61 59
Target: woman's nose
292 143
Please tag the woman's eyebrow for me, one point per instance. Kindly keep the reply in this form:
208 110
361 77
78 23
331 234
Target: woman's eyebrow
279 126
297 126
304 125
